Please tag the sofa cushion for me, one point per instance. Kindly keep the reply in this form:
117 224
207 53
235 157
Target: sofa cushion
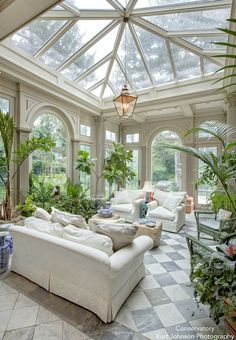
136 194
160 196
172 202
223 215
162 213
122 197
42 214
66 218
88 238
125 208
46 227
210 223
121 234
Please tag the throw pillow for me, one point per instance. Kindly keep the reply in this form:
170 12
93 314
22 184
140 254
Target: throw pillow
160 196
66 218
42 214
88 238
46 227
171 202
223 215
122 197
121 234
136 194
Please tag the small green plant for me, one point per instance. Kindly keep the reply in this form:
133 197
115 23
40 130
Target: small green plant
41 192
28 208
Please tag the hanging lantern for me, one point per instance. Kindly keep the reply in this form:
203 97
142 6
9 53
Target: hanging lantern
125 103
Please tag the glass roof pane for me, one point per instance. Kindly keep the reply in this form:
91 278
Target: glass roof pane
94 77
152 3
210 67
191 20
58 8
33 36
187 64
206 42
123 3
134 64
108 92
92 56
72 41
117 78
157 56
97 91
90 4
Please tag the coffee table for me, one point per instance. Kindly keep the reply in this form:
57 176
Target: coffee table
153 232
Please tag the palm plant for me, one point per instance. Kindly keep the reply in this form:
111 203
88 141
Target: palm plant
220 169
10 161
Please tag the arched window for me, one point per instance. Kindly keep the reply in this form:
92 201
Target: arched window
51 165
166 163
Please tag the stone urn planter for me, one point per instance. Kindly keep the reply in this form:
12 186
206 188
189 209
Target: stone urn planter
4 251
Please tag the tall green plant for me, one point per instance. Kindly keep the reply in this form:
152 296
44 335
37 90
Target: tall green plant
117 166
221 169
10 161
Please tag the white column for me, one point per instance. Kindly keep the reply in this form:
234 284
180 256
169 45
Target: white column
74 151
231 112
100 154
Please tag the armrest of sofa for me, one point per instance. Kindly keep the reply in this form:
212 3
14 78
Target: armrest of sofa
152 205
123 257
138 201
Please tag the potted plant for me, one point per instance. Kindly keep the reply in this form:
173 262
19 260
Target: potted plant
10 161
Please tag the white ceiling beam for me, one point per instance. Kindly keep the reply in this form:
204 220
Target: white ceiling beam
178 41
214 51
120 64
17 14
114 53
97 84
82 15
141 53
94 67
59 15
87 46
117 6
130 7
172 62
182 7
202 66
69 7
54 38
195 33
111 87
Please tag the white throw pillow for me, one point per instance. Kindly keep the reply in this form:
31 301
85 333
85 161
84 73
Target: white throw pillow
88 238
42 214
66 218
122 197
160 196
46 227
172 202
121 234
223 215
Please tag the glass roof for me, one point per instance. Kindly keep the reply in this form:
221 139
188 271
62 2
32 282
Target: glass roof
159 42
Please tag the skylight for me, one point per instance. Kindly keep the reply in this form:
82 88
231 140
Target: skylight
166 41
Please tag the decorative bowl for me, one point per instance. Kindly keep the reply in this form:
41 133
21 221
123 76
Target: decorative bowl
105 213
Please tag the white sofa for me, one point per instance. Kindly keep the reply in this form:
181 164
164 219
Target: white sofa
168 209
83 275
126 203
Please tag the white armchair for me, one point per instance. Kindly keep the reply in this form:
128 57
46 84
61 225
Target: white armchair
126 203
168 208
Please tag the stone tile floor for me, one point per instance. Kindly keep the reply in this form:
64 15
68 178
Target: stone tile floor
161 306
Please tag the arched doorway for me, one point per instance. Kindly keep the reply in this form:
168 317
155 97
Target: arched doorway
52 166
166 163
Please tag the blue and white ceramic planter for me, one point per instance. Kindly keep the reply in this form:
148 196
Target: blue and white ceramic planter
4 251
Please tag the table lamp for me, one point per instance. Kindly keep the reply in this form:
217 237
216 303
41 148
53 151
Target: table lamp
149 190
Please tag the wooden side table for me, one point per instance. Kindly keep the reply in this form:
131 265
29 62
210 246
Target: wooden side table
153 232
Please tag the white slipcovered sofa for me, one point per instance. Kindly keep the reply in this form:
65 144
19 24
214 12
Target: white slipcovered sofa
81 274
126 203
169 209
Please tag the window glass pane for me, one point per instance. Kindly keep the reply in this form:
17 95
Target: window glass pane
90 4
192 20
72 41
85 179
134 64
152 3
92 56
108 92
117 78
33 36
187 63
157 56
134 183
166 163
85 130
207 42
210 67
132 138
109 135
4 107
204 190
51 166
97 91
95 76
